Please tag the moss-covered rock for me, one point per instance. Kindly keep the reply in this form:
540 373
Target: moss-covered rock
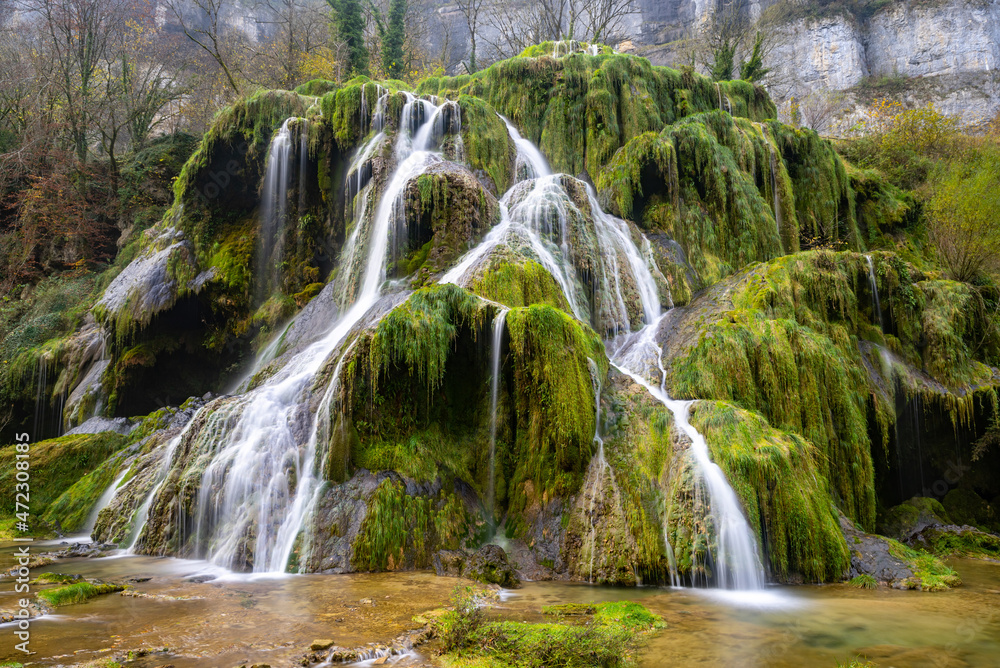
784 494
553 400
783 338
58 466
581 108
447 212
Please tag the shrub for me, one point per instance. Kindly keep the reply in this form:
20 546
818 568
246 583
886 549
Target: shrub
964 215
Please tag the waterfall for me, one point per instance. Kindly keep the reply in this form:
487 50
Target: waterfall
530 162
273 209
600 467
541 217
774 190
142 514
874 286
103 502
498 329
259 483
41 385
736 562
303 164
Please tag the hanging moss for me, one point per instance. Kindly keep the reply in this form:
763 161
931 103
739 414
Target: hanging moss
402 409
617 97
554 403
447 212
400 530
824 200
639 447
784 343
418 334
488 147
518 283
56 466
782 490
715 184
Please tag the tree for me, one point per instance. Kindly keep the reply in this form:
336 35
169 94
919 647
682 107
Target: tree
753 69
79 35
471 10
209 33
964 214
724 36
350 25
393 39
299 32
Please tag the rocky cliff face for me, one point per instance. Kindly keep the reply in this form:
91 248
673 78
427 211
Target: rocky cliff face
946 52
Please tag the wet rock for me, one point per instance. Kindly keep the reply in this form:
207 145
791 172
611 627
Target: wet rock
96 425
200 578
490 565
450 563
924 523
870 556
147 285
318 645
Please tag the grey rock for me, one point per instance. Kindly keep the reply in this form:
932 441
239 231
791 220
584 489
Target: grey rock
96 425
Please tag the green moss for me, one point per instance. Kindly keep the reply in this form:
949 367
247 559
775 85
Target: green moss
316 87
716 184
554 403
785 343
580 109
56 465
964 506
929 572
418 334
401 530
56 578
569 609
782 489
450 210
824 200
611 637
516 283
76 593
72 508
962 543
488 147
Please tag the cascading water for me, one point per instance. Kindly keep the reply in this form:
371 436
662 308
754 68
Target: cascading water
599 468
273 209
495 358
40 394
103 502
259 483
303 175
142 514
774 189
530 163
735 561
874 286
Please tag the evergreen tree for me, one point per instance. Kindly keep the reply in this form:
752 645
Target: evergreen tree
350 25
753 69
392 40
